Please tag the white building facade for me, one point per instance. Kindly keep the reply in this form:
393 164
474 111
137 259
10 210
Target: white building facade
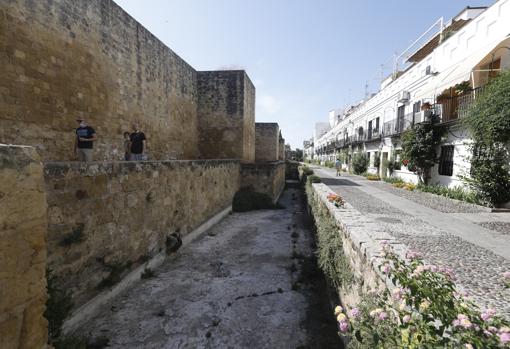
442 78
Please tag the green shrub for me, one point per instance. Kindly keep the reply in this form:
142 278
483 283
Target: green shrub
419 145
488 119
490 175
372 177
313 179
457 193
331 258
360 163
329 164
247 199
393 180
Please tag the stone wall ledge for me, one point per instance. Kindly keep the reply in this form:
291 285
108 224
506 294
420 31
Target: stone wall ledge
62 169
262 165
362 238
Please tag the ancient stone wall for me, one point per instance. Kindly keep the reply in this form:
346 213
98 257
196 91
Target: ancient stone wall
22 249
64 59
226 115
106 219
265 177
266 141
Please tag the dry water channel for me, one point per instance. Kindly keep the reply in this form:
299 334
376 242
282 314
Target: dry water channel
249 282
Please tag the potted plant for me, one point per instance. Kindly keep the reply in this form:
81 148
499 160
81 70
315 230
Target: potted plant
426 106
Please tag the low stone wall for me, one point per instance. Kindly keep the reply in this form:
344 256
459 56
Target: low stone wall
105 219
267 178
22 249
361 238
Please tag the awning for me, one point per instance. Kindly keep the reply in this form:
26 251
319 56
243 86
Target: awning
461 71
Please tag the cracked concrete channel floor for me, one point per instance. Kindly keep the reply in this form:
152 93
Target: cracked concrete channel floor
248 282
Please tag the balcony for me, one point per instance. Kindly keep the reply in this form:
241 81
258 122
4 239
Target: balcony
373 135
456 107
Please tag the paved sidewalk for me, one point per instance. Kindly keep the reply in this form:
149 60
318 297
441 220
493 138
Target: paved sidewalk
474 242
238 286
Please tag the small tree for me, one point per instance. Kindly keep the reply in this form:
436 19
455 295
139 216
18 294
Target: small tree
419 147
360 163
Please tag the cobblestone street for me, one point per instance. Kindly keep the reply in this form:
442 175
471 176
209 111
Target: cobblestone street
243 284
446 232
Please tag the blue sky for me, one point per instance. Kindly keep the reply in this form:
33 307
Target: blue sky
305 57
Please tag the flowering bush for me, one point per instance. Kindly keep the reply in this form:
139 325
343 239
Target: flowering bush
506 279
336 199
424 310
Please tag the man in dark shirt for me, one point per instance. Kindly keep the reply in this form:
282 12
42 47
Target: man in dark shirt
84 141
138 144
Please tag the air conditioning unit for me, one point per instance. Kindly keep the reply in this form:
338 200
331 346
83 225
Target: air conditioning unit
424 115
404 96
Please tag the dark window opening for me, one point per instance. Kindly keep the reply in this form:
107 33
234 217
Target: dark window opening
446 160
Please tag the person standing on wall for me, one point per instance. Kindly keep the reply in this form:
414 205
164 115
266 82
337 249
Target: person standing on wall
84 141
138 144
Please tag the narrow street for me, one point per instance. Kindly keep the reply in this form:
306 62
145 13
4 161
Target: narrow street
465 237
249 282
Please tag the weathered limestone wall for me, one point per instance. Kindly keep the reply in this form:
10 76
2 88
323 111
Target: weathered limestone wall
267 141
361 237
267 178
124 212
63 59
22 249
226 115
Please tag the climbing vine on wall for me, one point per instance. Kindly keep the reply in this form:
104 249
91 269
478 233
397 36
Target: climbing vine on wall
488 122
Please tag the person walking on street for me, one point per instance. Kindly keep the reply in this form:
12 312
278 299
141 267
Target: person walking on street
84 141
138 144
338 166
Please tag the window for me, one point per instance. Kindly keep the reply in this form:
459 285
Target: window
446 160
376 125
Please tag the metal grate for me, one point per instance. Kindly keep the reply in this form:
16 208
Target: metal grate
446 160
